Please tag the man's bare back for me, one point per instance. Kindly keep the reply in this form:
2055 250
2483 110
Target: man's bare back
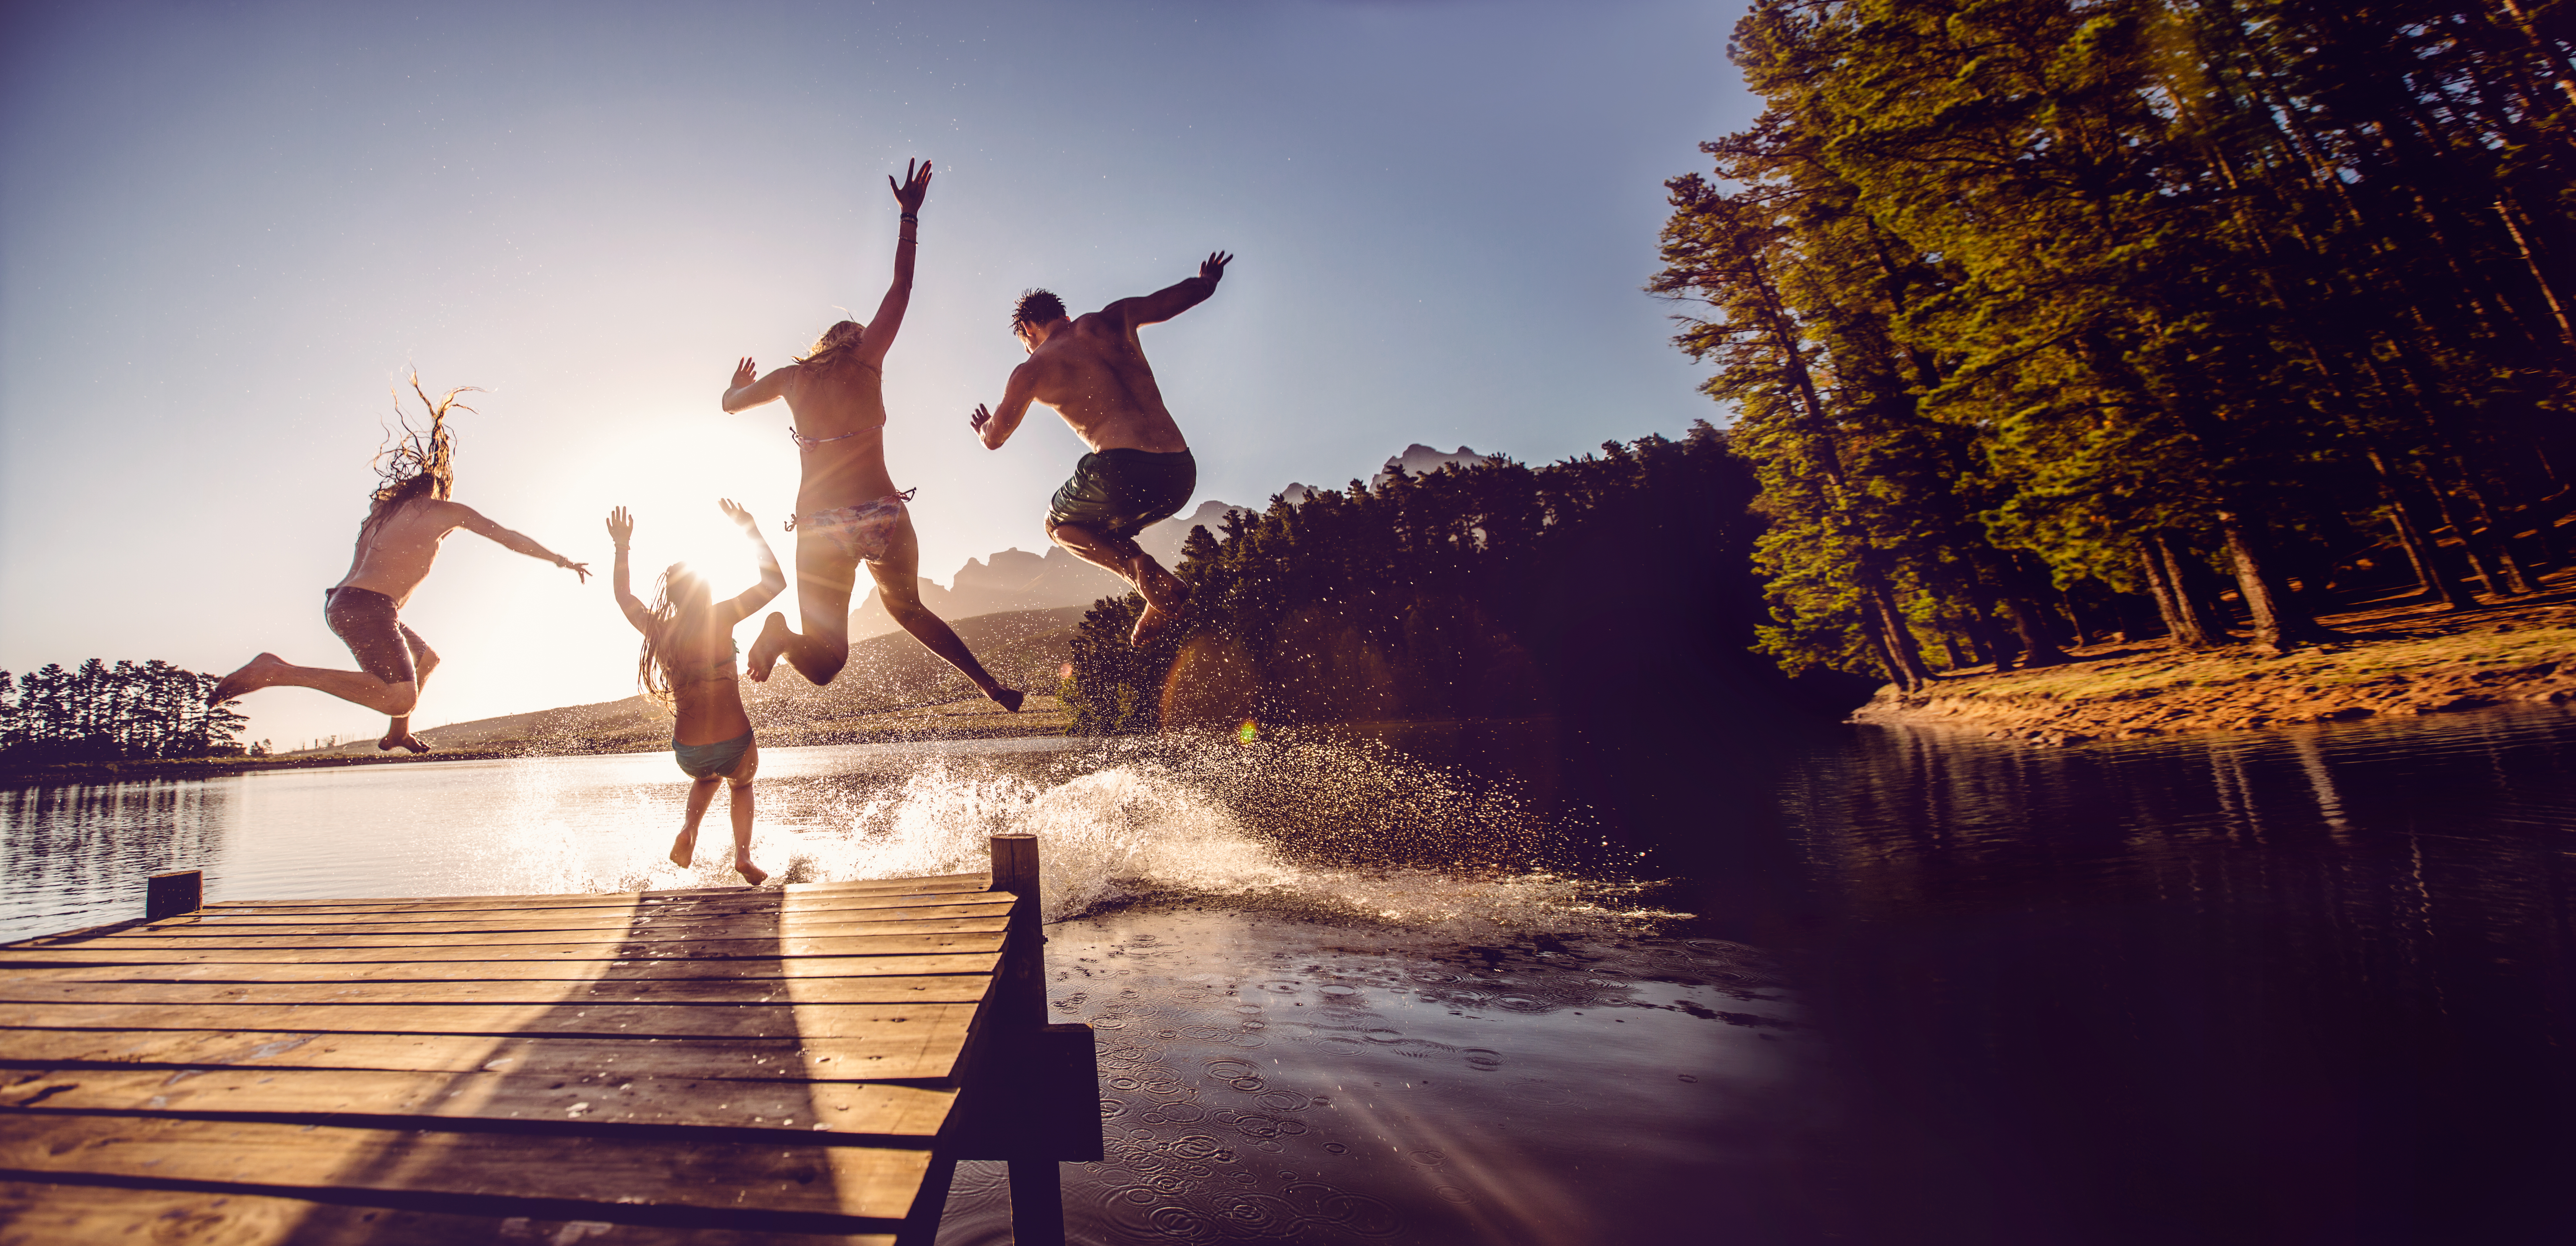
1092 370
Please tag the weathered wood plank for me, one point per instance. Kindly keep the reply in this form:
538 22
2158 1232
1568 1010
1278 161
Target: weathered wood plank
749 1181
791 894
894 1053
569 972
589 924
989 919
45 1214
984 935
869 989
603 1019
908 1115
589 913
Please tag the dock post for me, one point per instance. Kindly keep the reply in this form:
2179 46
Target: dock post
169 895
1037 1185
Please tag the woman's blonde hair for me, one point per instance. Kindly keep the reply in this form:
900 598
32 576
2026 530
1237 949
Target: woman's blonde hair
653 662
837 344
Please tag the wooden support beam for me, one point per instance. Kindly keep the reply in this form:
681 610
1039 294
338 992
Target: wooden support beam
169 895
1037 1185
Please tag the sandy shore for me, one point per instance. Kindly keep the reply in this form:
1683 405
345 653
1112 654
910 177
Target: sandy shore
2396 658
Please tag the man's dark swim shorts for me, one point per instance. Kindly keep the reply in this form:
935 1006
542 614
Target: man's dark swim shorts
1117 492
364 620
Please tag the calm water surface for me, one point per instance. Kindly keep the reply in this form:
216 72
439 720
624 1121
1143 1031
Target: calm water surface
2301 986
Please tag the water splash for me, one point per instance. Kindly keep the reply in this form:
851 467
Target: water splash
1327 830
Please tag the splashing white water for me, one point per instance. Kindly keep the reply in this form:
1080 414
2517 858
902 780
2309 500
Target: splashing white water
1161 829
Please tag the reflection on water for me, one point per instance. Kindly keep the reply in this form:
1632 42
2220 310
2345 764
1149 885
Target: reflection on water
2301 986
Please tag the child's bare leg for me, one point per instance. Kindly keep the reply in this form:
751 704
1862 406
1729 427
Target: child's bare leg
701 794
741 780
752 874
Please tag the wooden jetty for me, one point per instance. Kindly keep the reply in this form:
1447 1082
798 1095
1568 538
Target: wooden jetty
796 1065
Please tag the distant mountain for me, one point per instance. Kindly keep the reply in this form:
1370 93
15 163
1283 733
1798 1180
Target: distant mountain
1016 579
1417 460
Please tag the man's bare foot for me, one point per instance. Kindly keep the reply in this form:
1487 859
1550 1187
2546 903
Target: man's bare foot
685 848
1151 625
403 740
752 874
765 648
1007 698
257 673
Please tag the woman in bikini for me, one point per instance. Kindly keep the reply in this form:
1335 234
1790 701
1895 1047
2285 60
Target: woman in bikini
847 509
687 664
408 516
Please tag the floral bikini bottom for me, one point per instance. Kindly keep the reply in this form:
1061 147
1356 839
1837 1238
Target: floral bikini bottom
862 532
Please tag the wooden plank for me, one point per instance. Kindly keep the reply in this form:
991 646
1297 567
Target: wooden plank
742 895
588 923
985 936
572 973
989 918
866 989
44 1214
385 1099
893 1053
845 1188
584 913
607 1019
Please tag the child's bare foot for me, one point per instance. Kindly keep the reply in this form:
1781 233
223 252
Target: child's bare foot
765 648
752 874
257 673
1151 625
1007 698
685 848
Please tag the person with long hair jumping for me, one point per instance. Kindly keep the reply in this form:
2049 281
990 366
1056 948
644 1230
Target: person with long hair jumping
847 509
687 665
408 515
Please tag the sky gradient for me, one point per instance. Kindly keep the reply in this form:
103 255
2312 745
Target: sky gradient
227 230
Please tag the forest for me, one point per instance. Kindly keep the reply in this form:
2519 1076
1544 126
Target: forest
2040 321
98 712
1603 587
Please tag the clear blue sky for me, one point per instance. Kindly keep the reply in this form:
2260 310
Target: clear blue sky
226 229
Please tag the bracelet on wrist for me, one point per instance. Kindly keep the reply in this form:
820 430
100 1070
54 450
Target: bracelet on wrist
909 217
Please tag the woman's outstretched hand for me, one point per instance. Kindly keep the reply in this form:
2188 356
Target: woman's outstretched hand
915 187
744 373
621 527
734 511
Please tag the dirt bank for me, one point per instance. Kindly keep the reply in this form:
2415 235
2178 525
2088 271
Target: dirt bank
2395 659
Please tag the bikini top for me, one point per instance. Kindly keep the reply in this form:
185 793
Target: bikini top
807 444
718 667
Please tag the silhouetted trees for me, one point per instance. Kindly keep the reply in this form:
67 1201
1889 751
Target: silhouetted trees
1613 584
2039 309
98 712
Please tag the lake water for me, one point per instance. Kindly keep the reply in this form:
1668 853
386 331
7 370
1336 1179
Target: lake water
1879 986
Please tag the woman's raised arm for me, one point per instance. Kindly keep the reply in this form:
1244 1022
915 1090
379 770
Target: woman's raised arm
621 530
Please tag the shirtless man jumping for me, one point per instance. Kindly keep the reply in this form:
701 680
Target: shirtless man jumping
847 509
407 517
1092 370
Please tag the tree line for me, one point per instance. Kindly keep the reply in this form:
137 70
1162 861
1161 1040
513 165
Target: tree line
98 712
1608 586
2044 319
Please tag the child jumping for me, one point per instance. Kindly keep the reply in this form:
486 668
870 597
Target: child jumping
687 664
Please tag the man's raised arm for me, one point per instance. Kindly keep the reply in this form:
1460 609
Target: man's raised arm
1173 299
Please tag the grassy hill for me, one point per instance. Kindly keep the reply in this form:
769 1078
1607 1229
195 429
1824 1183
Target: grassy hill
893 689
